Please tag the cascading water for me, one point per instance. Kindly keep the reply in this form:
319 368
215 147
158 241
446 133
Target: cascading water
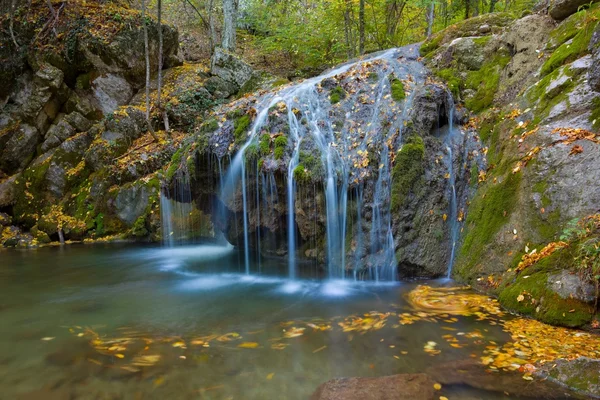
454 224
308 119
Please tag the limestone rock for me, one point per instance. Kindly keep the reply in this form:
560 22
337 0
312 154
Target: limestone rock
230 68
111 91
7 190
131 202
561 9
394 387
485 28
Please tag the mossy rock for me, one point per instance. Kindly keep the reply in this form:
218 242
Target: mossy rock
337 94
485 82
468 27
488 213
407 171
240 126
542 303
397 89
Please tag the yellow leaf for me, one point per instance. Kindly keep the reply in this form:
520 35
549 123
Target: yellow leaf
119 355
270 376
437 386
248 345
443 398
520 298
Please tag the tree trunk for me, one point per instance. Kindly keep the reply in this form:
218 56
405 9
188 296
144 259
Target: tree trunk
11 23
212 26
147 55
160 67
467 8
348 29
229 24
430 15
361 27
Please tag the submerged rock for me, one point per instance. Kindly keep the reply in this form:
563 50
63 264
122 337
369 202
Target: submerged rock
395 387
581 374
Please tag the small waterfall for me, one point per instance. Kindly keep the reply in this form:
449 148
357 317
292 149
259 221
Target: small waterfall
166 214
343 144
453 212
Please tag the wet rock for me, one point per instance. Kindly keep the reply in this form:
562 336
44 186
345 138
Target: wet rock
230 68
561 9
581 375
467 52
557 85
111 91
18 147
472 373
395 387
570 285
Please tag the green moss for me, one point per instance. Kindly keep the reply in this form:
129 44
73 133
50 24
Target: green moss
280 82
452 79
264 144
473 174
279 152
485 83
251 152
139 228
312 164
175 164
397 88
300 175
488 212
542 303
281 141
373 77
240 128
481 41
407 171
568 52
569 28
595 115
337 94
209 126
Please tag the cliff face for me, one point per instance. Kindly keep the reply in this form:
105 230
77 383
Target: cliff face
532 226
76 158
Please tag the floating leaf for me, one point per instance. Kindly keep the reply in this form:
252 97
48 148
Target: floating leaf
248 345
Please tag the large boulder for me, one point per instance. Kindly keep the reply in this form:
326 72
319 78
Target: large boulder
561 9
111 91
581 374
230 68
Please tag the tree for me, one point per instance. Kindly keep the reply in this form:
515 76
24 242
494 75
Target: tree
361 27
11 23
430 17
229 24
160 66
147 55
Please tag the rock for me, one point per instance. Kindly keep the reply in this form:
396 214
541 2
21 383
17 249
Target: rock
57 134
557 85
11 235
561 9
50 75
111 91
581 374
465 51
5 219
230 68
78 121
472 373
525 38
81 104
594 71
219 87
131 202
571 286
7 190
18 147
485 28
394 387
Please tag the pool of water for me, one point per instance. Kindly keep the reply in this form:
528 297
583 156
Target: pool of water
110 322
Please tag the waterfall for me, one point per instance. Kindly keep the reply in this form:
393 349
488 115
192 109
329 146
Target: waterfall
340 137
454 225
166 222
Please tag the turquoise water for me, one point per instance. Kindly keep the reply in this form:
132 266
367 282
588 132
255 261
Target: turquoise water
268 337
